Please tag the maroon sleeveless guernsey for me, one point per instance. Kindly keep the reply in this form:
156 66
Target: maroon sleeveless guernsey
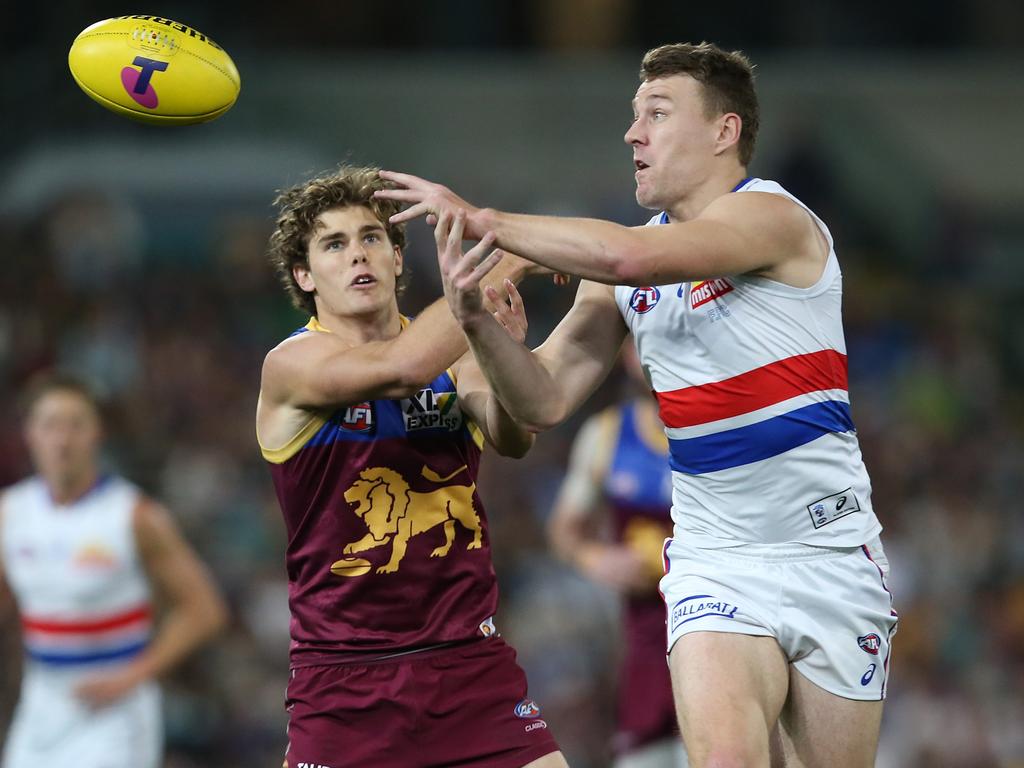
388 548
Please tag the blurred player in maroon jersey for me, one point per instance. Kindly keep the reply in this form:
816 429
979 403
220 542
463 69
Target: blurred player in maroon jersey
373 427
611 520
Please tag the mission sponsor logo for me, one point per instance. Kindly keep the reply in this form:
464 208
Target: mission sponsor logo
428 409
358 417
708 290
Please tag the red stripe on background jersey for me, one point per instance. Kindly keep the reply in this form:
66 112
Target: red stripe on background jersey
94 625
759 388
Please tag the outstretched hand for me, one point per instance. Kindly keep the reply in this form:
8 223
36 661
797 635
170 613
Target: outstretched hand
461 273
426 198
432 200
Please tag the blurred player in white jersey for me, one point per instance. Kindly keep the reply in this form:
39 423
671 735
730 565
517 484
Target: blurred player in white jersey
611 520
779 619
83 553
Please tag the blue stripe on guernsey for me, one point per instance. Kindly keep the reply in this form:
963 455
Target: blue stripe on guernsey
68 658
756 442
388 420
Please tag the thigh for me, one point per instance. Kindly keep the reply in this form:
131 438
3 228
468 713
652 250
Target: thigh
819 728
667 753
552 760
729 690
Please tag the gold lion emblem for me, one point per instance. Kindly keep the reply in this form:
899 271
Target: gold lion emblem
394 514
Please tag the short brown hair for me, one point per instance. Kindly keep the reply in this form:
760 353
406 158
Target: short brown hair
299 206
42 384
727 77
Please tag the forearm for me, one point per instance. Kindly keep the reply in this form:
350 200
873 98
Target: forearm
182 631
434 340
590 248
509 437
522 385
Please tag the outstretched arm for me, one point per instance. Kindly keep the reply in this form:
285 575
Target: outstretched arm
477 399
752 232
320 370
540 388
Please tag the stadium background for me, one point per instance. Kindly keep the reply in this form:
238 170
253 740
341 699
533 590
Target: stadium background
134 255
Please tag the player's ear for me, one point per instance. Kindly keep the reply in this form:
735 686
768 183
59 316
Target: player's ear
398 261
303 277
729 127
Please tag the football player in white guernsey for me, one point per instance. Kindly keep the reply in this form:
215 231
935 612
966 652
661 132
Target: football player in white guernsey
82 553
779 619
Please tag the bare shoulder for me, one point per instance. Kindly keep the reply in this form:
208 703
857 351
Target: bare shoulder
762 212
150 517
794 245
291 359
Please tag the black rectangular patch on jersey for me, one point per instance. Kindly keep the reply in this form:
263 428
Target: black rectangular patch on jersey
831 508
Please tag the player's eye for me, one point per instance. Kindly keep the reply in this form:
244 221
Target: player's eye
372 237
333 245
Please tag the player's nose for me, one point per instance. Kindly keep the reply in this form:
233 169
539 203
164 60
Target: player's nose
633 134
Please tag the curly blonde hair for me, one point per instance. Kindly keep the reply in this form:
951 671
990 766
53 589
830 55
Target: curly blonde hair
298 208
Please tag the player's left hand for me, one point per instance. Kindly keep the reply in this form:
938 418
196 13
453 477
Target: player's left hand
99 692
427 199
511 313
461 273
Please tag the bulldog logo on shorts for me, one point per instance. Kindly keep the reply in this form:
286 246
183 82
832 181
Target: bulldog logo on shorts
870 643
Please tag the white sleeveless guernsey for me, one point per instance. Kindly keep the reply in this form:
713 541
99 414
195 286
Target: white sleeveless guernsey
751 380
81 589
85 609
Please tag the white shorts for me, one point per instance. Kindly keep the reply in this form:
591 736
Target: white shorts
829 609
51 727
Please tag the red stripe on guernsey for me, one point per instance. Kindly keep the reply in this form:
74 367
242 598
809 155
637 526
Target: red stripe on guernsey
86 625
759 388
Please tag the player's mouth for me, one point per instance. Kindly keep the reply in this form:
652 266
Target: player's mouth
364 280
640 165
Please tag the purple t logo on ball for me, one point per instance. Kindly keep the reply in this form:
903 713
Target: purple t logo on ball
137 84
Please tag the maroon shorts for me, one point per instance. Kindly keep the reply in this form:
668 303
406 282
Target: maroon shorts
464 705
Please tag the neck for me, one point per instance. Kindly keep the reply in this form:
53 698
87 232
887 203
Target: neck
696 200
69 488
379 325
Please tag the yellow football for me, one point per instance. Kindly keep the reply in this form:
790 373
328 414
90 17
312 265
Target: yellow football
155 70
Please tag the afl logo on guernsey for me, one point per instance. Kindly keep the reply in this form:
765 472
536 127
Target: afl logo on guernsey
358 418
644 299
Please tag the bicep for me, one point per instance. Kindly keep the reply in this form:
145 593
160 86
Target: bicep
752 232
321 371
582 349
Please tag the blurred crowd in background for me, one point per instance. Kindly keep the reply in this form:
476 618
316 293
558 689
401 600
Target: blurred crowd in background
171 324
